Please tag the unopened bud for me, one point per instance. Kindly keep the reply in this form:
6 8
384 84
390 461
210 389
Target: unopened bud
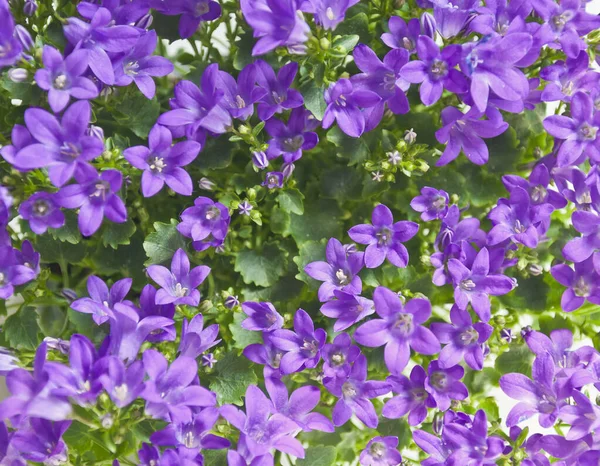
260 160
24 37
206 184
145 21
18 75
231 301
288 169
428 25
96 132
410 136
536 269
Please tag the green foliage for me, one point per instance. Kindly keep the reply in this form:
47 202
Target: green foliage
21 330
263 267
233 374
318 456
518 359
163 243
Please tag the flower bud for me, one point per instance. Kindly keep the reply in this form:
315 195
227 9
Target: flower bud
96 131
69 294
410 136
536 269
206 184
208 360
24 37
506 335
428 25
30 7
145 21
107 421
324 43
17 75
245 207
288 169
525 331
438 423
251 194
260 160
394 157
231 301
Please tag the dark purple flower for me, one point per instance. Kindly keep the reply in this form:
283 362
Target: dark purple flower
123 384
138 65
275 23
20 138
582 189
171 391
95 196
328 13
450 16
42 212
477 284
63 79
261 317
299 405
432 203
381 451
399 329
463 339
302 346
11 48
466 132
278 96
579 132
206 223
541 395
348 309
565 78
435 71
444 385
101 301
344 104
198 109
339 356
411 397
162 162
384 238
273 180
62 147
580 249
195 339
584 418
340 272
99 38
291 138
12 271
42 441
148 308
178 285
354 392
193 434
194 12
209 360
402 35
262 428
537 186
582 284
266 354
240 96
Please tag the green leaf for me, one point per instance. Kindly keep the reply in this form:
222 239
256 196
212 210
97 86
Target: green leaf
346 43
88 443
233 374
262 268
51 320
214 457
548 323
355 150
310 251
243 55
357 25
58 251
341 183
321 219
217 154
163 243
137 113
290 200
241 336
69 232
312 91
280 221
21 329
116 234
517 359
318 456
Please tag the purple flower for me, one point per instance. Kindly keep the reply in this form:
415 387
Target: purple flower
195 339
123 384
565 78
273 180
194 434
275 23
101 301
149 308
198 109
62 78
537 186
515 219
303 346
138 65
20 138
579 133
12 271
299 405
339 356
476 284
277 96
540 395
10 46
580 249
240 96
348 309
384 238
344 104
582 191
266 354
96 198
171 391
261 317
178 285
411 398
445 385
402 35
193 12
584 418
206 223
399 329
450 16
162 162
291 138
340 272
354 392
99 38
262 428
432 203
62 147
462 338
330 13
42 212
466 132
490 63
582 284
435 70
383 78
42 441
381 451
